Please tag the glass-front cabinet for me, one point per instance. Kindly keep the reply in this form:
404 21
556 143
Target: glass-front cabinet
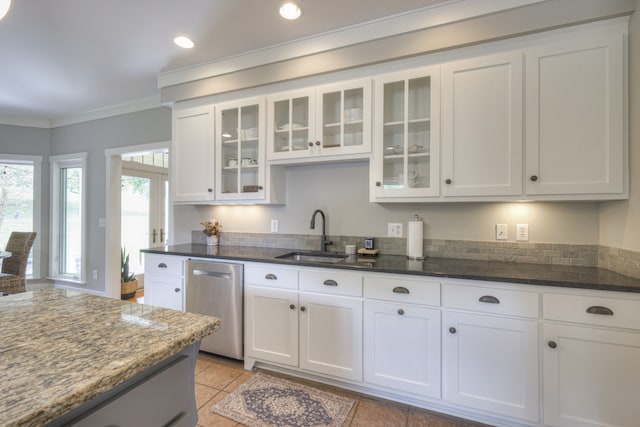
324 121
406 156
240 150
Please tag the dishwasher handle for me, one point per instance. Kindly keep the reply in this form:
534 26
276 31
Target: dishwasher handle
197 272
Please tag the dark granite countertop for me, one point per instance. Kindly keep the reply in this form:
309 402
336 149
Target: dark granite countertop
530 274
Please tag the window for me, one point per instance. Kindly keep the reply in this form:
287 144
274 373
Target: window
68 217
20 202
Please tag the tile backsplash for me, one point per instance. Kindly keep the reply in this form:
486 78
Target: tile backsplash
619 260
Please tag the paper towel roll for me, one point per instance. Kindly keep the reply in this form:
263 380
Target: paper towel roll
415 248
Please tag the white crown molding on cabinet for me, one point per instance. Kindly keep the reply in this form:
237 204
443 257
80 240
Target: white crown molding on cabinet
26 122
431 16
530 17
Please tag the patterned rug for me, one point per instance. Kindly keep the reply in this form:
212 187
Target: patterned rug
266 401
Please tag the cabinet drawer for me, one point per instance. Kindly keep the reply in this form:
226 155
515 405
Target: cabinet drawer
491 300
331 282
401 289
275 277
165 264
592 310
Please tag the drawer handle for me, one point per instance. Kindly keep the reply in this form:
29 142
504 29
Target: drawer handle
489 299
271 276
400 311
162 265
177 289
400 290
598 309
330 282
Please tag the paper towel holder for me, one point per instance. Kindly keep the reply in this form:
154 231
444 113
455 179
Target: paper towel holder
416 240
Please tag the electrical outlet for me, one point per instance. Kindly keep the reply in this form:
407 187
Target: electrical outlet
394 229
522 232
274 225
502 232
94 274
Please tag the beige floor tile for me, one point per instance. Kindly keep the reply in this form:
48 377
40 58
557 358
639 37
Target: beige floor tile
370 413
206 418
218 376
424 418
204 394
239 381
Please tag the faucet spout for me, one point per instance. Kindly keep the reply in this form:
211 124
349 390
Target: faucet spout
312 225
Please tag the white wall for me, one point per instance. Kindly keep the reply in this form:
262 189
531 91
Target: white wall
620 221
342 191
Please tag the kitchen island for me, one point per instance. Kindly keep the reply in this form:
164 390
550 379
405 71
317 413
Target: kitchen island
66 356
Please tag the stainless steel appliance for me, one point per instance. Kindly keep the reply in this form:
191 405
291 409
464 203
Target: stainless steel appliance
215 289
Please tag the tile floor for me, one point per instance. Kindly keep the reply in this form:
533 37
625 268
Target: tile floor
216 377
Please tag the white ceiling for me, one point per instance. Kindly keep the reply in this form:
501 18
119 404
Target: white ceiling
68 57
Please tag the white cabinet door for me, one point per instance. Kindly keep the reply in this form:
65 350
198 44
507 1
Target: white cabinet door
402 347
271 324
482 126
406 162
240 150
575 116
331 120
164 291
491 363
291 129
331 335
591 377
192 155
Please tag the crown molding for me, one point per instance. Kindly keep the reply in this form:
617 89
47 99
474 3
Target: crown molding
431 16
25 121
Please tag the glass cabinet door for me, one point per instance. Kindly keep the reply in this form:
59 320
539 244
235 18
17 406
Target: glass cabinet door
344 116
290 124
240 160
407 142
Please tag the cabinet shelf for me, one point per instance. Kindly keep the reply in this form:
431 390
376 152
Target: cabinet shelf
401 156
411 121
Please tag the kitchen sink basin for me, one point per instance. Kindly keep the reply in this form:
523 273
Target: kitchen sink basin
324 257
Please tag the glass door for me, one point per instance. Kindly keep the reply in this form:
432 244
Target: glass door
407 126
290 124
240 152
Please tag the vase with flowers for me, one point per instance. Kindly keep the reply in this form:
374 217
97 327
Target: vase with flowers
212 229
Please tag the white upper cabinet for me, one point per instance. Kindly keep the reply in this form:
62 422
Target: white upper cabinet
240 149
575 116
192 155
406 164
332 120
482 126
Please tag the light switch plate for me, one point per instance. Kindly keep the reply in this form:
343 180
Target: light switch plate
522 232
502 231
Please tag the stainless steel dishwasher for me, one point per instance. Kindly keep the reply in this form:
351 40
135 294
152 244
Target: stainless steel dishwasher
215 289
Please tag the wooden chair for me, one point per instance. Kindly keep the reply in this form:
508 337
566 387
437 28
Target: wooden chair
14 269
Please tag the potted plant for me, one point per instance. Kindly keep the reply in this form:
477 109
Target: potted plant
128 281
212 229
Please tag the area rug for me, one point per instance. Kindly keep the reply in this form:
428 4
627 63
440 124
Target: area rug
267 401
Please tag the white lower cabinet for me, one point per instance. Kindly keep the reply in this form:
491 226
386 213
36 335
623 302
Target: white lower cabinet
317 328
592 365
490 358
164 281
402 335
331 335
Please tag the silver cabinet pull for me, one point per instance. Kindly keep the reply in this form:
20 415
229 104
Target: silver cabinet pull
598 309
489 299
155 233
162 265
271 276
330 282
400 290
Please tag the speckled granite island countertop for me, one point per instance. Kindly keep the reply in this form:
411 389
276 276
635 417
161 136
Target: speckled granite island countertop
530 274
62 348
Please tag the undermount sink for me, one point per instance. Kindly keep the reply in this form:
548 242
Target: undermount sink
325 257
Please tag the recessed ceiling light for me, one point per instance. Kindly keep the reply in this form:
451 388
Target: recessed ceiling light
4 7
290 10
184 42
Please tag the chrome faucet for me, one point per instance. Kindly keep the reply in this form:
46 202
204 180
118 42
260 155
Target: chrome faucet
323 240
